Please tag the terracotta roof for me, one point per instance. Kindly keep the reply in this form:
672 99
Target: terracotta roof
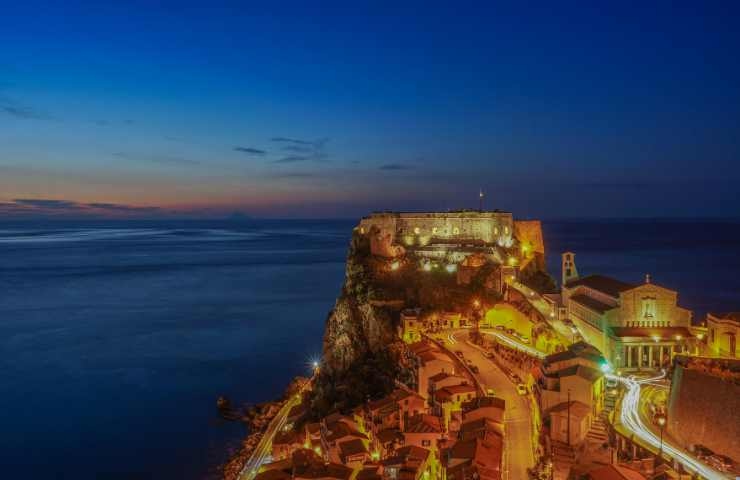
590 374
614 472
368 472
486 455
665 333
484 402
423 424
462 388
352 447
602 283
388 435
482 423
443 375
591 303
407 454
330 470
730 316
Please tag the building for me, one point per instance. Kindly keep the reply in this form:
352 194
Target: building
475 458
448 239
450 399
410 463
635 326
410 325
569 387
723 331
423 431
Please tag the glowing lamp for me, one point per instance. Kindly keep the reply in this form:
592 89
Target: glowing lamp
375 455
605 367
395 265
315 364
656 338
451 267
476 303
678 338
317 449
427 267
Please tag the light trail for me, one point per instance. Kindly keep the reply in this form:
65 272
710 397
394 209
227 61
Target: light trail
630 418
516 345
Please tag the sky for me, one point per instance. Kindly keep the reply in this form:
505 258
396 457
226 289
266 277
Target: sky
319 109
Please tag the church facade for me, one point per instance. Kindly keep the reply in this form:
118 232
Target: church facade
635 326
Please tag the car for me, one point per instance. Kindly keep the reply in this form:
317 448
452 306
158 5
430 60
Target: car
459 353
514 377
474 369
490 392
720 462
510 331
499 327
524 338
521 389
702 452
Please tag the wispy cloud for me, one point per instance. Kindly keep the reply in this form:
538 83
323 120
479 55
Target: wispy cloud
13 108
306 149
159 159
395 166
53 207
250 150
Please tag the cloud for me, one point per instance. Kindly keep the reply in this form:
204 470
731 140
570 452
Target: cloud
159 159
292 159
46 203
250 150
14 109
53 207
306 149
395 166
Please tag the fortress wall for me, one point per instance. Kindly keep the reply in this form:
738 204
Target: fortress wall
530 231
703 408
485 226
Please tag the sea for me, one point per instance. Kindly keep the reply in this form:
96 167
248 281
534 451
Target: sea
117 337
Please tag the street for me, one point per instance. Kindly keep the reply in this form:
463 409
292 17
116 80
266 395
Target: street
518 422
634 416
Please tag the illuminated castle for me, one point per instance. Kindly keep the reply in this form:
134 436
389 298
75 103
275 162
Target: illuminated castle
453 236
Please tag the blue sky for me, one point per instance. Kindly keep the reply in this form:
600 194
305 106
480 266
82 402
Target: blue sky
317 110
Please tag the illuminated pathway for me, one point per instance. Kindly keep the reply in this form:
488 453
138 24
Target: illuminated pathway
518 455
631 419
263 452
515 344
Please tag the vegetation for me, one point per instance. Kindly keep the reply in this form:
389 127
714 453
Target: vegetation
540 282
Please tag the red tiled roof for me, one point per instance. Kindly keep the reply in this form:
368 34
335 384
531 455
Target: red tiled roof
603 284
591 303
352 447
423 424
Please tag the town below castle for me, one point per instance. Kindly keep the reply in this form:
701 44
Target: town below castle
452 354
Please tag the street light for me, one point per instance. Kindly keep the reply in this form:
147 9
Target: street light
660 419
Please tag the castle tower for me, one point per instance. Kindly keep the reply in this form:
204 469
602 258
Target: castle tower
569 271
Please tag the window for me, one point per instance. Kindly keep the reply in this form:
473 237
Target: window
426 443
648 307
417 230
456 231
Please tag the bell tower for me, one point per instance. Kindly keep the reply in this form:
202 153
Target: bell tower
569 271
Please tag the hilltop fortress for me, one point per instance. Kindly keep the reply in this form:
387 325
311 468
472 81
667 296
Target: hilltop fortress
453 236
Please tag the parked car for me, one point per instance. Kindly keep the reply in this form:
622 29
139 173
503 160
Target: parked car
499 327
702 452
521 389
524 338
722 463
510 331
459 353
490 392
488 354
474 369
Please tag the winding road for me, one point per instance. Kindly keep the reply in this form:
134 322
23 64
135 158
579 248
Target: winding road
631 418
518 455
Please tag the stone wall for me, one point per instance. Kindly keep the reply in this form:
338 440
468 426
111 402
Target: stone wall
423 228
703 408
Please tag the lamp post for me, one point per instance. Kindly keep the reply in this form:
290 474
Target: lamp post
660 419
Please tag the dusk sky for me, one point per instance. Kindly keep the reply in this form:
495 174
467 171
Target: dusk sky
321 110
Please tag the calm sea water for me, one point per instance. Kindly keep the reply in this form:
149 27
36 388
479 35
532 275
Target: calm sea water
116 339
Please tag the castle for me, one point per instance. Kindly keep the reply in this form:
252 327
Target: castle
452 237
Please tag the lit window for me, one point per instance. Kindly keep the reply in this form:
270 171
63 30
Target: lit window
417 230
456 231
434 230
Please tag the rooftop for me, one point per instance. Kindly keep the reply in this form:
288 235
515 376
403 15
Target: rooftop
729 316
603 284
577 408
577 350
591 303
352 447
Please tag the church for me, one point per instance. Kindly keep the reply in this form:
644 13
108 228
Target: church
635 326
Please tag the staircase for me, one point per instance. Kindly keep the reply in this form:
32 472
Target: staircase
563 459
598 432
